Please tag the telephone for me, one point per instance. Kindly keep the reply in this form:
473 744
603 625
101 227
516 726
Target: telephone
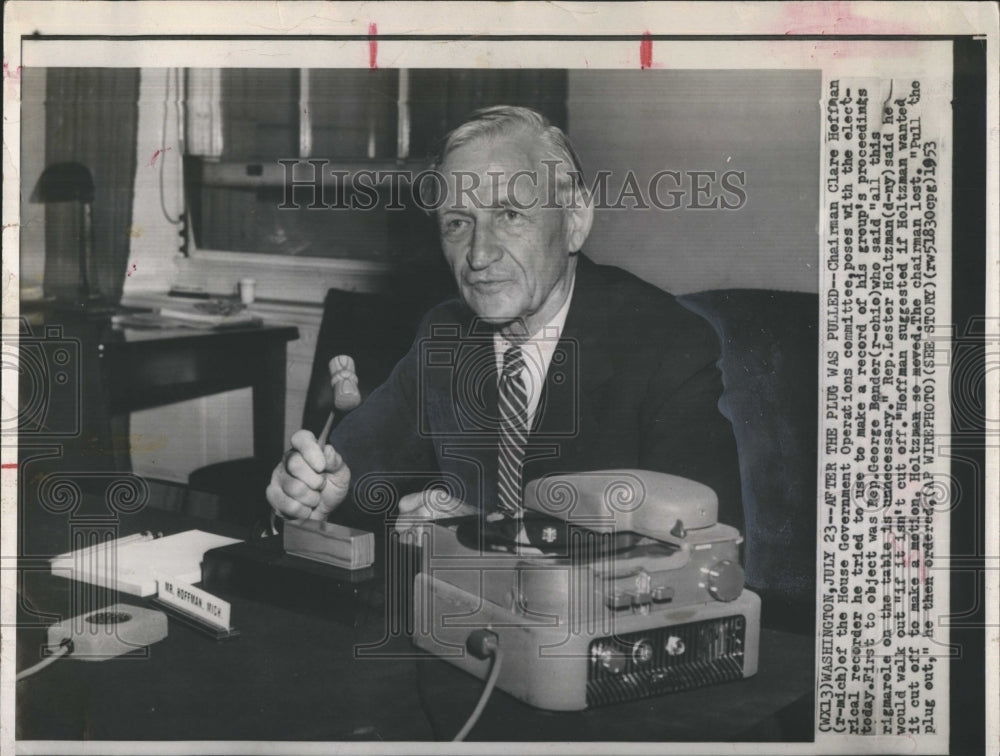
616 585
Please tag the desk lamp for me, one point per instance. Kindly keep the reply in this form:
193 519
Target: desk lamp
73 182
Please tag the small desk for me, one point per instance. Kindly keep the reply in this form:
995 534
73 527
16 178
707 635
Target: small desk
151 368
112 371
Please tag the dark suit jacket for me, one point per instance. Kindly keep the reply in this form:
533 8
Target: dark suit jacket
633 383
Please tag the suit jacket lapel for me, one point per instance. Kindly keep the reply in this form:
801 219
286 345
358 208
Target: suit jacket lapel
472 435
579 367
458 376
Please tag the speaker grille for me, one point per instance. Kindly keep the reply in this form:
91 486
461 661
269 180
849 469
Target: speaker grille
649 663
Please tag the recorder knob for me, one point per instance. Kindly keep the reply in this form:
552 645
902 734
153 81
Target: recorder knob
613 660
674 646
642 652
725 580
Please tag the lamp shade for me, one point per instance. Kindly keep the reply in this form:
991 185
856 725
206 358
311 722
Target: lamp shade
64 182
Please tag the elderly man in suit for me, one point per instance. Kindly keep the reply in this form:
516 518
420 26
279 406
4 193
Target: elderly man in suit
547 363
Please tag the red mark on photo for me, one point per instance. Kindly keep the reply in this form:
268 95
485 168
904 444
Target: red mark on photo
9 465
646 50
131 270
372 46
838 18
152 160
11 73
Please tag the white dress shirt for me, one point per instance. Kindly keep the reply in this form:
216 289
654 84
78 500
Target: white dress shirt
537 352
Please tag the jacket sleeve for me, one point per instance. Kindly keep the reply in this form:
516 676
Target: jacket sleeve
382 445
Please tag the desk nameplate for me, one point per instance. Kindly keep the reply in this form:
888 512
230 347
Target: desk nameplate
197 608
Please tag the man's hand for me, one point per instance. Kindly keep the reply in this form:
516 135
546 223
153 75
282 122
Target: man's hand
311 480
344 380
419 508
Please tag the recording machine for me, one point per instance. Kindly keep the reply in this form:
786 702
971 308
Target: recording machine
616 585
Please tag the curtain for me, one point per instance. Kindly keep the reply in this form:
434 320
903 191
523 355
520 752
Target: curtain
91 117
441 99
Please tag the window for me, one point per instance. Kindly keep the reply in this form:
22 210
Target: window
241 157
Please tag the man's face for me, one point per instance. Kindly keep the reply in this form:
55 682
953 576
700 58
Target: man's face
509 253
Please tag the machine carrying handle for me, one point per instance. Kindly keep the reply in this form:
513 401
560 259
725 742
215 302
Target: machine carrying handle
654 504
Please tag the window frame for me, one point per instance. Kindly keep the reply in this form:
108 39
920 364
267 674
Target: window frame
278 275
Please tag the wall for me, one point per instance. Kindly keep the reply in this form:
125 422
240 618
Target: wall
764 123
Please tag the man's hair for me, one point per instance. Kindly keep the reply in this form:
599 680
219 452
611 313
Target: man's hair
507 120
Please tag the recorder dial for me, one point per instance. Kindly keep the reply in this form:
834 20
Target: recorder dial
642 651
613 660
725 580
674 646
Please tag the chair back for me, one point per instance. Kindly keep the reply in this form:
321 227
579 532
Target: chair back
769 369
375 329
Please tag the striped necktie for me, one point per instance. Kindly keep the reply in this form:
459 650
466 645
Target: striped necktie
513 406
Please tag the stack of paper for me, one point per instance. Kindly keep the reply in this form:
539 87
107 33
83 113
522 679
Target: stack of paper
133 564
211 314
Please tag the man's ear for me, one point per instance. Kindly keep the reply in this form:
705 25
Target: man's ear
579 219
